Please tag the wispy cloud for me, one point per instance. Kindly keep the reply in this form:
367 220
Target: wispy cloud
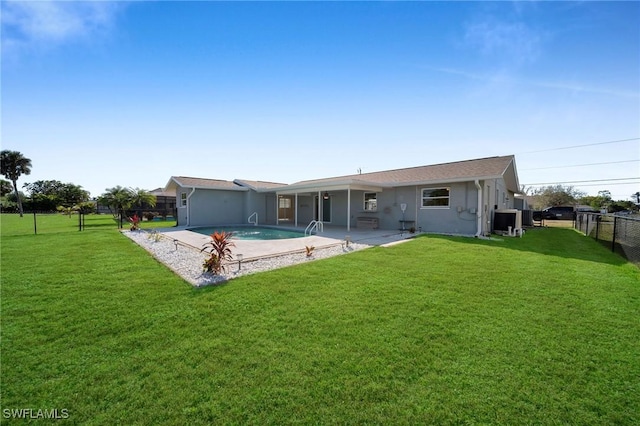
54 22
509 79
513 41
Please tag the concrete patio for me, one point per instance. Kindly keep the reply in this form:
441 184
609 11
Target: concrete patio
256 249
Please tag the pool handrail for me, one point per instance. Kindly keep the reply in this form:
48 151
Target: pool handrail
314 224
255 223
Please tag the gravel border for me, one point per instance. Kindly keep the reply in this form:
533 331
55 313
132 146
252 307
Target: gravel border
187 261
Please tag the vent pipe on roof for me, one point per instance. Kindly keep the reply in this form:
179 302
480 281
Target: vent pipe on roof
479 209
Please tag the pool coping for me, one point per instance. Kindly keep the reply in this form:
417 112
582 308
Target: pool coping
260 249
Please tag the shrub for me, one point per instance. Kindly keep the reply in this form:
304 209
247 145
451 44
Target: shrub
149 216
220 251
135 222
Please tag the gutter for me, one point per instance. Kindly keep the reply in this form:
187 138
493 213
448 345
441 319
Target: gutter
479 209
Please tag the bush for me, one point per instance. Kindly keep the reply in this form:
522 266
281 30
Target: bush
149 215
220 246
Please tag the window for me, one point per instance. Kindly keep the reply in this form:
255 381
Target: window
183 199
285 207
435 197
370 201
284 203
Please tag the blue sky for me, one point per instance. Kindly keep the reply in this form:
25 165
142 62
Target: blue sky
114 93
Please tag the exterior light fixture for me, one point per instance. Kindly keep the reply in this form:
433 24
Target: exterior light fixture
176 244
325 196
239 257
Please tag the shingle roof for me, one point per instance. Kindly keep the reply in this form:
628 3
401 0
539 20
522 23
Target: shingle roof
258 184
201 183
460 170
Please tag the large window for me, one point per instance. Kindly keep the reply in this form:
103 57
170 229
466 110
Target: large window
370 201
435 197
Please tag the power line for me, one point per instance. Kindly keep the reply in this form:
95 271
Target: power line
581 165
580 146
581 181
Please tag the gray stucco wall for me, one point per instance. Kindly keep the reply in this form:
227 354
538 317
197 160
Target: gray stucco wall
212 207
261 203
219 207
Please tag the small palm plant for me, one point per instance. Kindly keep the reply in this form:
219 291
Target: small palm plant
135 223
309 250
219 251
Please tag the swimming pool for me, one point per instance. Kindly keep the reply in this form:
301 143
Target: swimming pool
251 232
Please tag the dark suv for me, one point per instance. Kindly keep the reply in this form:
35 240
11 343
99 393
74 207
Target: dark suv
558 212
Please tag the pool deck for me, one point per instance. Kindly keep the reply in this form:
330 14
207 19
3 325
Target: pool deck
257 249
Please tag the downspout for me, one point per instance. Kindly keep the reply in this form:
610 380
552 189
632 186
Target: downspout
295 206
349 209
189 206
479 209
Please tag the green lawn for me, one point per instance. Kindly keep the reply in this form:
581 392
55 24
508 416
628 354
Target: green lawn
440 330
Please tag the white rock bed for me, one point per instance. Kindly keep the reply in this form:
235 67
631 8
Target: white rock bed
187 261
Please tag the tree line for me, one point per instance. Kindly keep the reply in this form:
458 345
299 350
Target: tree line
559 195
53 195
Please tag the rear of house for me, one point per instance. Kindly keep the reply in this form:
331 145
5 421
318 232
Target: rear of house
455 198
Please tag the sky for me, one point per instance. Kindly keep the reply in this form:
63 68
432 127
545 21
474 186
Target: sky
102 93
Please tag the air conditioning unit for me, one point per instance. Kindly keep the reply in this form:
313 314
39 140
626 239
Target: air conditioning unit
507 221
527 217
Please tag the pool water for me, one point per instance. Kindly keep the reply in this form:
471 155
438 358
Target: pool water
251 232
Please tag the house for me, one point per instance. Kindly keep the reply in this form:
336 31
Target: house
459 198
165 202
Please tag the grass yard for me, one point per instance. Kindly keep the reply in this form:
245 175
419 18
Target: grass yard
440 330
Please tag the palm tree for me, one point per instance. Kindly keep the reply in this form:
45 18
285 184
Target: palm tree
13 165
122 199
118 198
140 197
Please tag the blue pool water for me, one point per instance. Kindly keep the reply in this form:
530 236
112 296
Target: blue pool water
251 232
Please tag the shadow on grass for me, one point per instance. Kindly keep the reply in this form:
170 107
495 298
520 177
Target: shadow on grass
557 242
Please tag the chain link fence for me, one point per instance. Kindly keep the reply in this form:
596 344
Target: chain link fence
621 233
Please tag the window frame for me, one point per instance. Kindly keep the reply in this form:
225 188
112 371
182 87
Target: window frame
448 198
183 199
364 202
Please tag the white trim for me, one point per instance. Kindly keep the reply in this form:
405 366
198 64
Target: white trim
448 198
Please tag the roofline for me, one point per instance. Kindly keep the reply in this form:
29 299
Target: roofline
221 188
373 186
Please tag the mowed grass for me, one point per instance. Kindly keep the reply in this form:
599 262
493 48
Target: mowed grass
440 330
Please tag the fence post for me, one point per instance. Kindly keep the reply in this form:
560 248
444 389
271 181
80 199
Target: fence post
586 228
613 239
598 226
35 224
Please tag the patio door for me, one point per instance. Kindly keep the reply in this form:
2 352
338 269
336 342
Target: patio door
326 209
286 208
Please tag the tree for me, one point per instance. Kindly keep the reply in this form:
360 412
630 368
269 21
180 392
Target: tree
140 197
50 194
5 187
556 195
603 199
116 198
14 165
121 199
620 205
